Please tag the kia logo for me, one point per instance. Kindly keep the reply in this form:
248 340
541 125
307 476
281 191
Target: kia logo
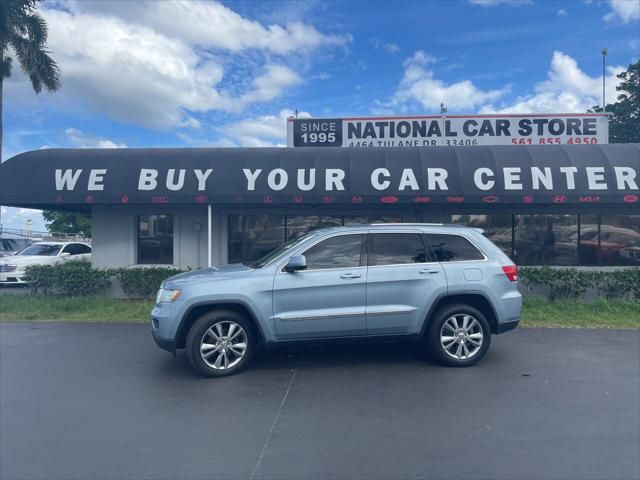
455 199
589 199
630 198
490 199
356 199
201 198
328 199
559 199
389 199
160 199
124 199
420 199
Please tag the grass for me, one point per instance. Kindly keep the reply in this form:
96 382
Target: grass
537 311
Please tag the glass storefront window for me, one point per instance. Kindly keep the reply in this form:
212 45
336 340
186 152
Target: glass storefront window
253 236
619 240
546 239
155 239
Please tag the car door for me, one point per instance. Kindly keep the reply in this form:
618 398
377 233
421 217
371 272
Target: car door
403 281
327 299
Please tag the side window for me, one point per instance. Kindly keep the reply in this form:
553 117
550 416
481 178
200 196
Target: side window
396 249
81 248
336 252
453 248
68 249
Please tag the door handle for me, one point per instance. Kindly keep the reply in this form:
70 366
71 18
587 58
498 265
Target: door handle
350 275
429 271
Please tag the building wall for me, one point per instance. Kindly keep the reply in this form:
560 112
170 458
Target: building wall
115 235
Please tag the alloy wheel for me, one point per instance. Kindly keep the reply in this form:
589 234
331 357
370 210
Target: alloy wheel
461 336
223 345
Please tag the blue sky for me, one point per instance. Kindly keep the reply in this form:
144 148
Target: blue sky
147 73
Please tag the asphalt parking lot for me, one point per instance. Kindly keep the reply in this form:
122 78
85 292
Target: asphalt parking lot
101 401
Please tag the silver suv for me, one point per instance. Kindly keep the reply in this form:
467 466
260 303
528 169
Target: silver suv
448 287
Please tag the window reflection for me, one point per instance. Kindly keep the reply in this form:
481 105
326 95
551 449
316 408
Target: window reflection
298 225
497 228
253 236
336 252
546 239
155 239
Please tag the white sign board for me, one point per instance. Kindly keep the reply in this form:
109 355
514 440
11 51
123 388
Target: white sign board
449 130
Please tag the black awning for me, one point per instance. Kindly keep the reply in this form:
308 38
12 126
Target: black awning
507 175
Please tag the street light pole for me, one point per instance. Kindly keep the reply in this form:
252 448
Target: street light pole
604 55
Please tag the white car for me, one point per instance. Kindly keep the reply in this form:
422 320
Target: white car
42 253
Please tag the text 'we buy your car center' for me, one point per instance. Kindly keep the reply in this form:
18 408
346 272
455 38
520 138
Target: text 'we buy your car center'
547 189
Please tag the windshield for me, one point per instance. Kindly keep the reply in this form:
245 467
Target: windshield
12 244
273 254
43 250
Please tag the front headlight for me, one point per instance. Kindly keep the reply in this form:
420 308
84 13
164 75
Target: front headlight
167 295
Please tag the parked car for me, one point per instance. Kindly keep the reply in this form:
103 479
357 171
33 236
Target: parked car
446 286
12 269
10 245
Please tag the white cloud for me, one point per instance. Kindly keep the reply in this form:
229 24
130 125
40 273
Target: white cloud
495 3
165 64
562 13
567 89
262 131
392 47
212 24
420 86
625 10
85 140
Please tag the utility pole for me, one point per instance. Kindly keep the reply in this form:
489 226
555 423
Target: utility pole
604 102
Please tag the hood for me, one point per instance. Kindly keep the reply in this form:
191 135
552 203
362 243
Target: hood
25 259
208 274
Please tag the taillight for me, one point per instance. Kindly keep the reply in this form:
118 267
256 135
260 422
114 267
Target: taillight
511 271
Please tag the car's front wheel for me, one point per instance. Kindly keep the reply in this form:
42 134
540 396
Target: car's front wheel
220 343
459 336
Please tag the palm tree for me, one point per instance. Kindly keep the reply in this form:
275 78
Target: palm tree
24 30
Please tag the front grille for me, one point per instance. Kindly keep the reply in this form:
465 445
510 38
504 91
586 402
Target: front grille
7 268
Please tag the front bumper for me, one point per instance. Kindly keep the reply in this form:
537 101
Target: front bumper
164 343
12 277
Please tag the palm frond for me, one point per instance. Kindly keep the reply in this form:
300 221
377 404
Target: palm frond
36 28
36 63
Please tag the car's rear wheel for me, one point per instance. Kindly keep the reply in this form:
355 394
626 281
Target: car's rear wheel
459 336
220 343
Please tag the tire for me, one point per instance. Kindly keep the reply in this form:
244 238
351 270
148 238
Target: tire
212 329
454 355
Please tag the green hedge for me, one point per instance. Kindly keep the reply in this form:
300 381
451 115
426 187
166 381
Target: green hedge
67 278
79 278
144 282
574 283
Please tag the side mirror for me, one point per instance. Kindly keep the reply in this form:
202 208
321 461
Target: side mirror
296 262
65 254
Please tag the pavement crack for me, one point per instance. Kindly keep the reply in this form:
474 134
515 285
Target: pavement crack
256 468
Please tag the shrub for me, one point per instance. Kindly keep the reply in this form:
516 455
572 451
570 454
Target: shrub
573 283
144 281
67 278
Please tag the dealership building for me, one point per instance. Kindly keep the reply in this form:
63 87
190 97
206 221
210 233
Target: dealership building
561 203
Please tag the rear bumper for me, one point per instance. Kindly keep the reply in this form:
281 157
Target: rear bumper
506 326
